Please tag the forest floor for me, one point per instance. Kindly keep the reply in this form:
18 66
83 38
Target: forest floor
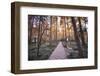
58 50
44 53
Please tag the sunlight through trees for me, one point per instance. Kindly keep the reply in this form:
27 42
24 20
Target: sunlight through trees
45 32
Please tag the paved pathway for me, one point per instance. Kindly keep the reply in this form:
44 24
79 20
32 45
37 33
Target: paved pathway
59 52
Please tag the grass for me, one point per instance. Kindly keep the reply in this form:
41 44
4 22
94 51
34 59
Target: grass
44 52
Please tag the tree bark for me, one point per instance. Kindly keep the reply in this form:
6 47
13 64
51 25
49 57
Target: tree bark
77 38
56 29
38 45
50 29
65 26
30 30
81 31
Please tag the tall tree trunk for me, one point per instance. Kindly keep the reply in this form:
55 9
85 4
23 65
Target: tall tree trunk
38 45
62 27
77 38
86 33
56 29
68 30
50 30
30 26
65 26
81 31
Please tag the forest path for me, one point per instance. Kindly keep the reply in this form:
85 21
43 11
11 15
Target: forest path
59 52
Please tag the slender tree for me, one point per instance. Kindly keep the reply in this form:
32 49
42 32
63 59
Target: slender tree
38 43
68 29
56 29
50 30
85 19
65 26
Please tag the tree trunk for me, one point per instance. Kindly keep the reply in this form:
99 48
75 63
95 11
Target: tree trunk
81 31
38 45
56 29
65 26
30 30
50 30
77 38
